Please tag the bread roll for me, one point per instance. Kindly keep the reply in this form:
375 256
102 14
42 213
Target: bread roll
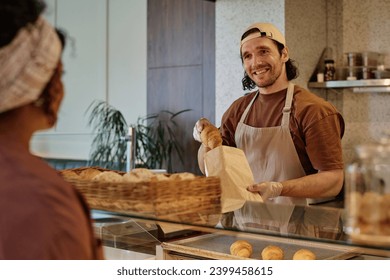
160 177
69 175
304 254
142 173
211 136
241 248
182 176
272 252
108 177
131 178
89 173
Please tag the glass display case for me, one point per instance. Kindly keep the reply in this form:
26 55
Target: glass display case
181 216
317 228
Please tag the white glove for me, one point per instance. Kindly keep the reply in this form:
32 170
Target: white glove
267 189
196 134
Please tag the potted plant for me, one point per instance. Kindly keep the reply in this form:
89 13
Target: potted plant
156 140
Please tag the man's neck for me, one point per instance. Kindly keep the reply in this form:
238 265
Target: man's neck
275 87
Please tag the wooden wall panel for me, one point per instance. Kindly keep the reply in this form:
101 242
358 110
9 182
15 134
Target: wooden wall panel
176 89
209 60
174 33
181 66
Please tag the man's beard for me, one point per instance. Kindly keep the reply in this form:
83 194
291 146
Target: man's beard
270 81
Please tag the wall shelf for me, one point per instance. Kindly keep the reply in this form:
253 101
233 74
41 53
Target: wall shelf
371 85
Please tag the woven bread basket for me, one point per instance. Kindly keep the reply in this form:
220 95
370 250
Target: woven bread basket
193 201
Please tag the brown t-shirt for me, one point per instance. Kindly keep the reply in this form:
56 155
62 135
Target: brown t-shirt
42 216
316 126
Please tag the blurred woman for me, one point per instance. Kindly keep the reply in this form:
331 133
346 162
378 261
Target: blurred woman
41 216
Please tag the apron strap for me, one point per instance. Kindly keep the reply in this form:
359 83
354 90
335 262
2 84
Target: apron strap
286 109
287 105
244 115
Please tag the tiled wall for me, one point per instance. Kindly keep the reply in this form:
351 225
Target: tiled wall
309 27
366 27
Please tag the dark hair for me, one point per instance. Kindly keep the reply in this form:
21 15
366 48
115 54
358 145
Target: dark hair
47 95
291 68
15 14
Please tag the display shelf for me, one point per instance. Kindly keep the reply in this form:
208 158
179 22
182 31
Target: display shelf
371 85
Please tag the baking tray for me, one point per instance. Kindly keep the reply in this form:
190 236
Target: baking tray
218 246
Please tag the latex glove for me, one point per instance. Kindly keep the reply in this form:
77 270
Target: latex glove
267 189
198 127
196 134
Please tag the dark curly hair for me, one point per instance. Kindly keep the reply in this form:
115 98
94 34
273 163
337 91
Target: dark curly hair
47 94
291 68
15 14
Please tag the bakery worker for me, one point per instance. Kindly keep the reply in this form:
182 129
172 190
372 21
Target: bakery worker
291 137
41 216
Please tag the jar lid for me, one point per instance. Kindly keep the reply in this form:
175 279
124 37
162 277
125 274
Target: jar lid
329 61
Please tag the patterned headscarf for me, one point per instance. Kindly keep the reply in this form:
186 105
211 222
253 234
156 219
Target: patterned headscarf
27 64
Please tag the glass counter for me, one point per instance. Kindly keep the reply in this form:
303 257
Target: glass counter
318 228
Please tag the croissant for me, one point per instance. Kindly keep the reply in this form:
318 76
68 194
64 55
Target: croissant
201 123
304 254
272 252
241 248
210 136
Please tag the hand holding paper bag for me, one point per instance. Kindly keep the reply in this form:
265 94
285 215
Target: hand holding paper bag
229 164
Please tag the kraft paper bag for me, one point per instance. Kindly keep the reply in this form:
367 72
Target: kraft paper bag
231 165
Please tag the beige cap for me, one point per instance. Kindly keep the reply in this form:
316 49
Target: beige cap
265 30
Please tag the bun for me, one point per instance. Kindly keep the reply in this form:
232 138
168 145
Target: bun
182 176
211 136
89 173
304 254
69 175
272 252
108 177
160 177
142 173
241 248
131 177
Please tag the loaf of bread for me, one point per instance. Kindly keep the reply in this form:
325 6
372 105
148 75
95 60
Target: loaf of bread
210 136
272 252
241 248
304 254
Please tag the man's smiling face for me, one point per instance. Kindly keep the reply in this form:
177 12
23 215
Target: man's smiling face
262 61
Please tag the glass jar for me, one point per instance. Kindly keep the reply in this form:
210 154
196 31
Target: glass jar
367 197
330 71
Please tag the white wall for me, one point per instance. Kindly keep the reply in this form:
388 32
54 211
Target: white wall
104 59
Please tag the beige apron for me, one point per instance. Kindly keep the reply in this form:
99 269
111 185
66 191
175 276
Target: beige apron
272 157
